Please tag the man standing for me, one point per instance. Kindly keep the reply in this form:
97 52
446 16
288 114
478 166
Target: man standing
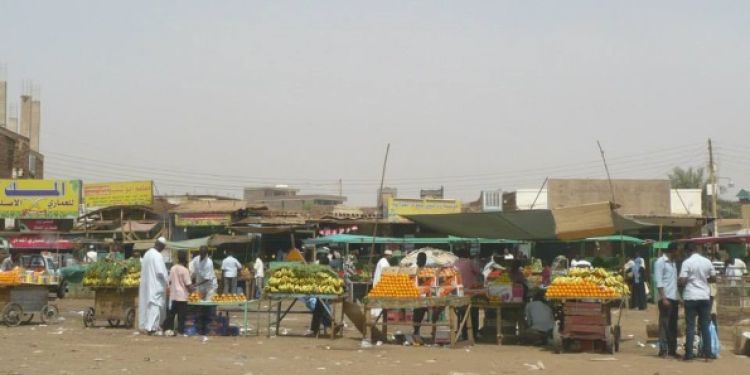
9 262
152 301
382 263
697 272
665 278
202 268
470 276
231 267
639 284
259 276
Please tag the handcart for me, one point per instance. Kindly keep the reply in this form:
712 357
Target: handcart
587 321
20 303
115 305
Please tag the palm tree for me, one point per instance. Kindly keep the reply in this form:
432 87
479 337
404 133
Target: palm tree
687 178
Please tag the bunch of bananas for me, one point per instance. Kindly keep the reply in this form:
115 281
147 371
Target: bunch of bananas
304 280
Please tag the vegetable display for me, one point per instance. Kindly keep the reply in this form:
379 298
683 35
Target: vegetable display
107 273
304 279
587 282
395 286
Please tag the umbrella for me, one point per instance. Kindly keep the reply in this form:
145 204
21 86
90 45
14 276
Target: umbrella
435 257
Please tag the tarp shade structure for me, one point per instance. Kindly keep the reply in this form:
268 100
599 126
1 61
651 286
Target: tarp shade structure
357 239
530 225
628 239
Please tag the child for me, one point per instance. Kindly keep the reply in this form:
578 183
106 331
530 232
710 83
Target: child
179 289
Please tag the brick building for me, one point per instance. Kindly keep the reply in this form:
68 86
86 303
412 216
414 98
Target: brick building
16 153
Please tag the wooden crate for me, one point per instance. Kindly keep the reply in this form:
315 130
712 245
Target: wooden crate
113 303
31 298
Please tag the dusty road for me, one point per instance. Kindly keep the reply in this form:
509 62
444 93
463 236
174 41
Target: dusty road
68 348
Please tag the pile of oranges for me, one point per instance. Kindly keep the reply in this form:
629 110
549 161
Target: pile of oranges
396 286
12 277
580 290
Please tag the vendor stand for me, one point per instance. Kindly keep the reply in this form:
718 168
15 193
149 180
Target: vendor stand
513 311
293 281
115 285
24 294
584 300
449 303
224 306
115 305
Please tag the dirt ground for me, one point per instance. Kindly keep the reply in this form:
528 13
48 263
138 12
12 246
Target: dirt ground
69 348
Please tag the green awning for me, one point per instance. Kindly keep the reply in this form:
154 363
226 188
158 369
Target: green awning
358 239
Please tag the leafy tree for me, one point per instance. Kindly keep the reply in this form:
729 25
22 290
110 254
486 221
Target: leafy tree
687 178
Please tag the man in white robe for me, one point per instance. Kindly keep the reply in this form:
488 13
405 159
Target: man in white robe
202 271
152 293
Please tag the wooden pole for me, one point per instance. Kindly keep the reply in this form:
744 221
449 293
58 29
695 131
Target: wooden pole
606 169
380 206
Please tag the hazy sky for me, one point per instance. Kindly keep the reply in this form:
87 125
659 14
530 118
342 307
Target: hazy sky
210 96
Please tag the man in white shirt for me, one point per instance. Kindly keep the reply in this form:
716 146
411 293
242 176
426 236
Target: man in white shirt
736 268
202 270
259 276
382 263
665 279
696 273
230 267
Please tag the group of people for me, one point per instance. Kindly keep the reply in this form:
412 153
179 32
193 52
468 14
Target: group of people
688 285
163 295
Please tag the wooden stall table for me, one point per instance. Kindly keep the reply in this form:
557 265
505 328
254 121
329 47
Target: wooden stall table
450 303
227 307
500 306
276 299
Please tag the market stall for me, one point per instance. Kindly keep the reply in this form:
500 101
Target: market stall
24 294
213 317
115 285
293 281
584 301
434 290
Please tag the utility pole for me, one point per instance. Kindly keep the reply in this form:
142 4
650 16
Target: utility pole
341 188
380 206
714 188
606 169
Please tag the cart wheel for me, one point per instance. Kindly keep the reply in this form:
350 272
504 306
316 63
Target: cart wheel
49 314
557 341
129 318
12 314
617 338
29 319
88 318
113 322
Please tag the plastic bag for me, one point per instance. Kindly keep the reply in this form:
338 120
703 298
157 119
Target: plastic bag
715 344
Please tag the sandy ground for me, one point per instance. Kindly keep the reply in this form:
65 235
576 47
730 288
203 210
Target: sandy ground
69 348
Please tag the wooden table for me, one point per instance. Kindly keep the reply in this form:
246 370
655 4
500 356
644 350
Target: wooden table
499 306
449 303
336 315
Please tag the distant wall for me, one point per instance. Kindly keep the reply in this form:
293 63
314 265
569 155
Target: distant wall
636 197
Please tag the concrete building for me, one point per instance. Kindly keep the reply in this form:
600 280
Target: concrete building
284 198
17 159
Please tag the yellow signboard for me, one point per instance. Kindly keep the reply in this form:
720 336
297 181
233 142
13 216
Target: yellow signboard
40 199
397 207
131 193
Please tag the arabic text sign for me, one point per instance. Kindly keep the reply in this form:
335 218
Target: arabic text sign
40 242
398 207
202 220
40 199
118 194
